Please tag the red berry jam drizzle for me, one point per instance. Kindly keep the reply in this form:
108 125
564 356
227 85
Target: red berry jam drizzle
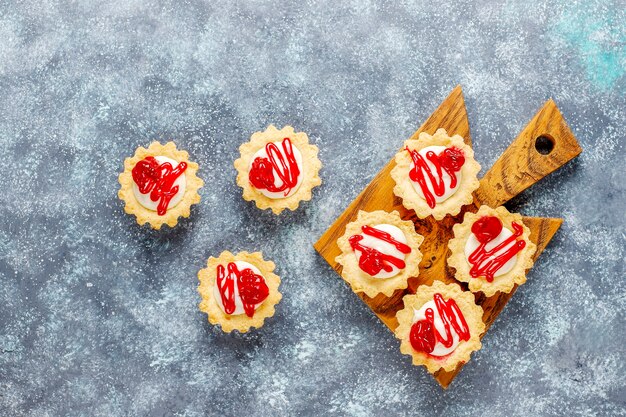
262 171
450 160
252 288
158 180
486 229
424 335
373 261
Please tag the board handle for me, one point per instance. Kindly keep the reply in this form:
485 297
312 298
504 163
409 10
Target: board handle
545 145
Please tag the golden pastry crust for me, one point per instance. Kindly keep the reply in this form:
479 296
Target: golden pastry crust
502 283
309 170
359 280
240 322
404 187
472 313
144 215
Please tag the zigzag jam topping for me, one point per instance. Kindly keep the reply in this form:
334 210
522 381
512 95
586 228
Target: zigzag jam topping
487 262
450 160
251 287
424 335
280 164
373 261
158 180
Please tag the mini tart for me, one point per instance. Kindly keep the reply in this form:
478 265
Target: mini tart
472 315
241 322
308 164
452 202
504 282
191 186
361 281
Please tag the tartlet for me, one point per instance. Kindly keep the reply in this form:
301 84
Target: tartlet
423 331
159 185
278 169
491 250
238 291
435 175
380 252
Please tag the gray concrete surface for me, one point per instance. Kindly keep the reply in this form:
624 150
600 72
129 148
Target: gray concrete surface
99 317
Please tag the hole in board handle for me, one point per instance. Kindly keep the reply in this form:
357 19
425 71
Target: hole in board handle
544 145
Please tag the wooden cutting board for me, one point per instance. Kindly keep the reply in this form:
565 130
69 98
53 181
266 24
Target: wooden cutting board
544 145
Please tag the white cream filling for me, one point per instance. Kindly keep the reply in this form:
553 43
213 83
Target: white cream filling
181 181
444 175
440 349
384 247
241 265
472 243
262 153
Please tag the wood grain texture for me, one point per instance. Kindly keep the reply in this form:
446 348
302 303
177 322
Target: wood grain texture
521 165
519 158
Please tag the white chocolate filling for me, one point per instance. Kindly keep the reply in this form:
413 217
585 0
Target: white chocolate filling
448 192
262 153
181 181
241 265
472 243
440 349
384 247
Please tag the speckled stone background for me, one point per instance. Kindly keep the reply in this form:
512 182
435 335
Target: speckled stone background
98 317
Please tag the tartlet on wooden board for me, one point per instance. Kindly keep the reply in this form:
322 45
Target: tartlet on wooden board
520 166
